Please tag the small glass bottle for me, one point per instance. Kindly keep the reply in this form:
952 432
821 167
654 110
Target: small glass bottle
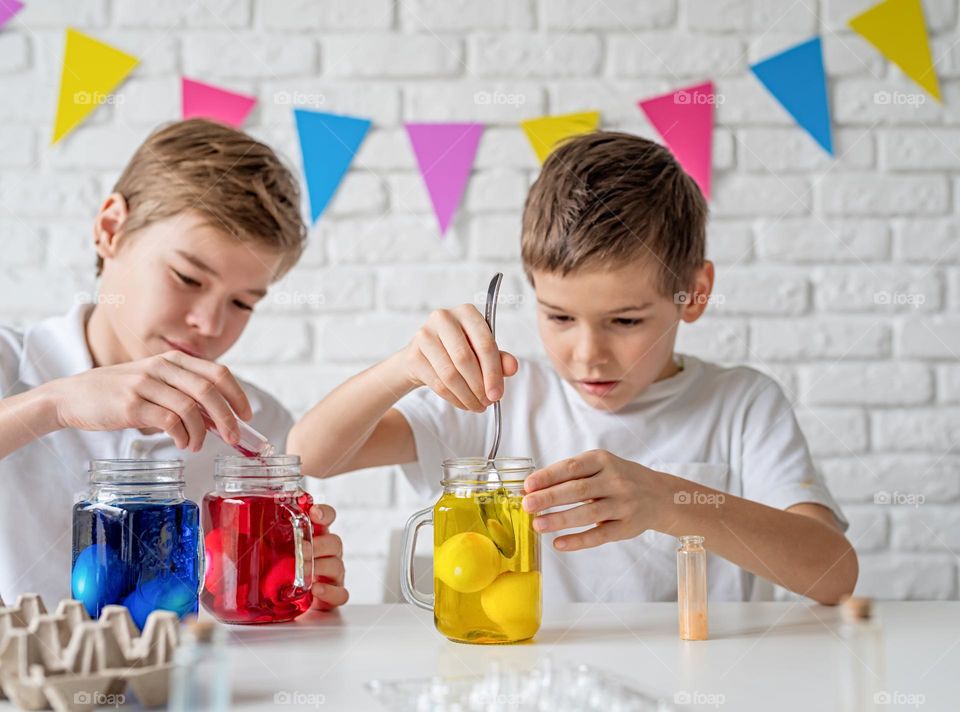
864 674
692 588
201 677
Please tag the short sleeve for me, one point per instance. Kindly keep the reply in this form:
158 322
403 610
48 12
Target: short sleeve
440 432
777 468
11 347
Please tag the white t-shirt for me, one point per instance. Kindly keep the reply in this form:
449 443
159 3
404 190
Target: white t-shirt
729 428
39 482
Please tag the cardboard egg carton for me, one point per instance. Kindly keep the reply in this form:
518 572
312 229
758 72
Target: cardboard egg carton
67 662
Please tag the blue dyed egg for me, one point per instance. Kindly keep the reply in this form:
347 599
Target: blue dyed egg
97 578
166 593
178 596
139 605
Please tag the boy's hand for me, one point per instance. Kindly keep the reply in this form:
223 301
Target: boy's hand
328 572
454 355
164 392
617 495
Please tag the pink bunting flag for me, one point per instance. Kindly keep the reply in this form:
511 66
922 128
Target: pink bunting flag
9 8
210 102
445 154
684 120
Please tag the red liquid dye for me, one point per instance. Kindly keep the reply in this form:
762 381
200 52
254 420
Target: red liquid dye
250 557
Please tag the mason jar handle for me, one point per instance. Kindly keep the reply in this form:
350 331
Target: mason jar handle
303 570
409 550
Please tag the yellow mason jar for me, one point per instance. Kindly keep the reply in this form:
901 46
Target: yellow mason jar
486 555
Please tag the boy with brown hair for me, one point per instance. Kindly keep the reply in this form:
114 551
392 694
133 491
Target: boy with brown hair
645 444
202 220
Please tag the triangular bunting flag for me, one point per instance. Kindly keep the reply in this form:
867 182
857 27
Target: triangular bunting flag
210 102
445 154
545 132
9 8
796 79
328 143
91 70
684 120
897 29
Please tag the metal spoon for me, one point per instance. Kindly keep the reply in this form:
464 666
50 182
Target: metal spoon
490 314
496 518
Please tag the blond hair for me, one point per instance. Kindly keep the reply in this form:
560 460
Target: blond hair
237 184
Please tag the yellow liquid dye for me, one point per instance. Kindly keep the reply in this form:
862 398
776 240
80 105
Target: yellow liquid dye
486 568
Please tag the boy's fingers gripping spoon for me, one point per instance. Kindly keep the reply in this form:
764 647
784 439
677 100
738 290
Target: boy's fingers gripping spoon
494 510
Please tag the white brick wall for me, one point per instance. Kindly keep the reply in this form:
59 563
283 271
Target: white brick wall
839 277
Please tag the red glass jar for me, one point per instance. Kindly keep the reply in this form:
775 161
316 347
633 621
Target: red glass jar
258 541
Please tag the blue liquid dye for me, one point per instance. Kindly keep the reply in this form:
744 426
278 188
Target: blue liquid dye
143 555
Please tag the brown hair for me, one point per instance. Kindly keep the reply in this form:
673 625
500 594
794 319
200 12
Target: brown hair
605 198
237 184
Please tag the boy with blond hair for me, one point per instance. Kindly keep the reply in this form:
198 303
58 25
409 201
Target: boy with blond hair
202 220
640 444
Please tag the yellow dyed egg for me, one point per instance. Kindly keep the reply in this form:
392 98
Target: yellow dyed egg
467 562
502 537
513 603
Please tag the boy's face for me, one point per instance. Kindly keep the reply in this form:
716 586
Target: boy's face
181 284
609 332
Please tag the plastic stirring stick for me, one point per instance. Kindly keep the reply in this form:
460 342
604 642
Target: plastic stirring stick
251 443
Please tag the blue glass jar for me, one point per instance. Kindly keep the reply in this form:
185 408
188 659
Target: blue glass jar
136 540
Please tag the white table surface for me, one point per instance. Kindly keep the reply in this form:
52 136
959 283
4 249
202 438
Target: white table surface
761 656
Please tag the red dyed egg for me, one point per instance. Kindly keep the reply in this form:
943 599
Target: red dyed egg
278 583
213 558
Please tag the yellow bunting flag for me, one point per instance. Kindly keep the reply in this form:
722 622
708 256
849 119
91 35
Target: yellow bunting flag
545 132
897 29
91 70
